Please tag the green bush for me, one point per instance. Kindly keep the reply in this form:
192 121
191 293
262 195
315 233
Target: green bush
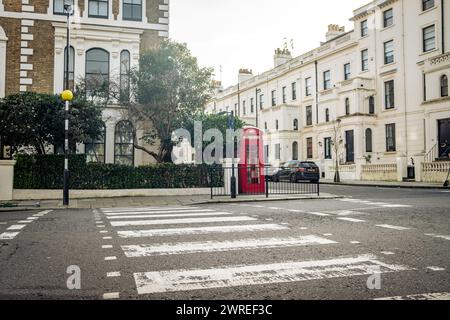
46 172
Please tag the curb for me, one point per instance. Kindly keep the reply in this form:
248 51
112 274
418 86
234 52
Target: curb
265 200
14 209
384 186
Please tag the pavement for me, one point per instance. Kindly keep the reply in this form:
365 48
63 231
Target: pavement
391 184
371 243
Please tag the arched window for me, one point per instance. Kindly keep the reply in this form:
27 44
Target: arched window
295 124
371 105
347 106
97 70
71 73
327 115
125 75
444 86
369 140
95 149
295 151
124 146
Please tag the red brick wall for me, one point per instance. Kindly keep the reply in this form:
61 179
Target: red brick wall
12 30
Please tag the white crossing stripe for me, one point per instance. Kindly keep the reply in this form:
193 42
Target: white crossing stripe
351 220
387 226
438 236
144 250
16 227
396 206
233 276
111 295
346 213
32 218
199 230
24 221
424 296
110 258
179 221
436 268
113 274
320 214
205 214
8 235
296 211
107 246
147 209
157 212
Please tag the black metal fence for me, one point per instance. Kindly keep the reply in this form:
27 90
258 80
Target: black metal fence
262 180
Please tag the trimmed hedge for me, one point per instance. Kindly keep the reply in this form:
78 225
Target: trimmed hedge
46 172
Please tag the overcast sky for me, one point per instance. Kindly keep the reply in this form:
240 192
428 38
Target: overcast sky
238 34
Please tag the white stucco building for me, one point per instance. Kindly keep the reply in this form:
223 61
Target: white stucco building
386 81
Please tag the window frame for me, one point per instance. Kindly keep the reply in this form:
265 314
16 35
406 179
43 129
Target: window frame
327 148
347 106
98 8
364 60
116 154
424 39
90 73
371 105
391 144
424 5
327 80
274 98
295 154
294 91
308 87
444 87
309 148
388 21
125 75
364 28
63 3
92 145
295 125
327 115
72 58
369 142
389 95
277 147
347 71
309 116
388 52
132 5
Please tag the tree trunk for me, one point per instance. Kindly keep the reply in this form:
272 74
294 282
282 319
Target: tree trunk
337 177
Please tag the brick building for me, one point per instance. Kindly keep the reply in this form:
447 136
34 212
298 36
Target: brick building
106 39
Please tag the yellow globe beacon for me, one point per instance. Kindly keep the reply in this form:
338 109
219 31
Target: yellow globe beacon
67 95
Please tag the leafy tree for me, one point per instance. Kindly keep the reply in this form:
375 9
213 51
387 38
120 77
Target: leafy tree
37 121
168 91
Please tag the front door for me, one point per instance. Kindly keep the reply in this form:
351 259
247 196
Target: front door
350 146
444 138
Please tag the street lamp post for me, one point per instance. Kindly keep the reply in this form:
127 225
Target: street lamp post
67 96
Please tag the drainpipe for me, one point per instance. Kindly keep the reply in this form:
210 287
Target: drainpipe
404 79
317 92
256 106
443 26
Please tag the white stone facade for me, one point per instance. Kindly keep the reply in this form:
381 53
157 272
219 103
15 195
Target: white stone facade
405 44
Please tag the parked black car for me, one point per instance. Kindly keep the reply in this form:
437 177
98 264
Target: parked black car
294 171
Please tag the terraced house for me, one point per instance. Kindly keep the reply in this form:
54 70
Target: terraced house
105 41
382 87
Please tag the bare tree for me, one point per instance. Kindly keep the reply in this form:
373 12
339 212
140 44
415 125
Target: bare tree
337 143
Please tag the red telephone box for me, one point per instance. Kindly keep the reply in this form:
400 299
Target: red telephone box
251 166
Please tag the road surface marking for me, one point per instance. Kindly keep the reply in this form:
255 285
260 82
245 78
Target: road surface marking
134 213
111 295
3 223
110 258
23 221
147 209
258 206
234 276
377 203
144 250
351 220
438 236
107 238
436 268
16 227
387 226
104 231
395 206
327 234
425 296
114 274
32 218
320 214
172 215
355 242
269 219
101 226
8 235
274 208
387 253
108 246
296 211
303 228
179 221
346 213
199 230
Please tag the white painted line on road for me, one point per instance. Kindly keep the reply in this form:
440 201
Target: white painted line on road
346 213
101 226
16 227
32 218
320 214
258 206
108 246
107 238
179 221
206 214
303 228
144 250
351 220
234 276
8 235
438 236
274 208
24 221
111 295
387 253
377 203
424 296
395 206
436 268
296 211
200 230
104 231
114 274
110 258
135 213
106 211
355 242
327 234
387 226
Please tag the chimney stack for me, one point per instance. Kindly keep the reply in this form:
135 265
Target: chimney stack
334 30
244 75
281 56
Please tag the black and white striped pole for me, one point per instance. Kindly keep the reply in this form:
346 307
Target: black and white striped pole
67 96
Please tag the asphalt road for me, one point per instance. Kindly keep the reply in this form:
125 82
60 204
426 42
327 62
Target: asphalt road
373 243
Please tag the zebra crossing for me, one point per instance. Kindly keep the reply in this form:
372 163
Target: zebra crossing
146 226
